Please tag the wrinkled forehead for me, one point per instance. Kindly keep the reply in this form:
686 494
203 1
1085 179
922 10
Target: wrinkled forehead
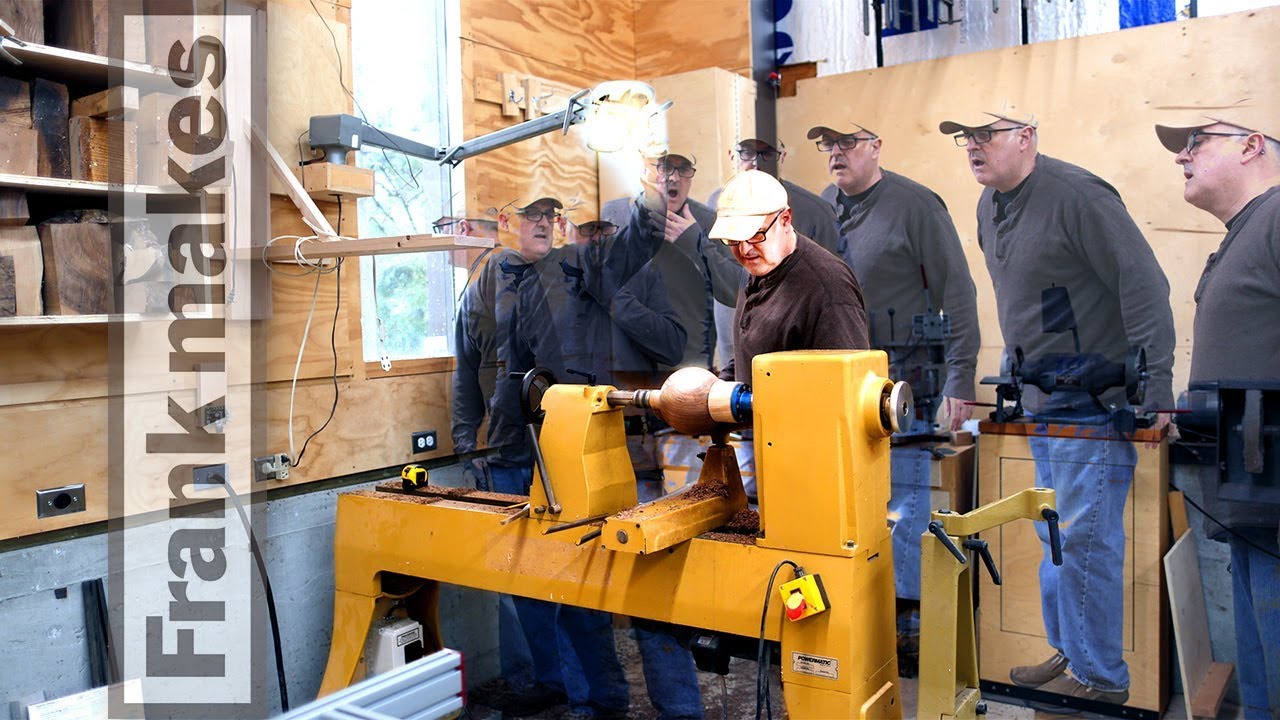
679 162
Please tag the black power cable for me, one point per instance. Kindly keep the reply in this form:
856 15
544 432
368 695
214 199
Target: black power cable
763 659
266 587
1238 536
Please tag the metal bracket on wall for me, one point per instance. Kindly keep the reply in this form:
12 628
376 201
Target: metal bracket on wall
65 500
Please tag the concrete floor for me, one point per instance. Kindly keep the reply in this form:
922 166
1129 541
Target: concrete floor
733 697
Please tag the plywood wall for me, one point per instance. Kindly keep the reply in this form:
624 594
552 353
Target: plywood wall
676 36
1097 98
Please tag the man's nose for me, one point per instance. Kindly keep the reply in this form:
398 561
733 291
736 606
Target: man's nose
1183 157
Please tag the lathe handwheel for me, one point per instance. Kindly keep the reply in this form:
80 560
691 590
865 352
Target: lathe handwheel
898 408
535 383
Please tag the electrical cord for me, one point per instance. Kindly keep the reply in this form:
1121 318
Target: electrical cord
1238 536
333 345
266 588
763 658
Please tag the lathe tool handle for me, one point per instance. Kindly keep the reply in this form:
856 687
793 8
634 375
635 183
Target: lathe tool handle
1055 538
936 528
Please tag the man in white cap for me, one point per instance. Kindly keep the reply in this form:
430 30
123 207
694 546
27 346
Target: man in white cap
902 246
1230 158
1044 223
798 296
811 217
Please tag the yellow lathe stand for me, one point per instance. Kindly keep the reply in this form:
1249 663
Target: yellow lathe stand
822 423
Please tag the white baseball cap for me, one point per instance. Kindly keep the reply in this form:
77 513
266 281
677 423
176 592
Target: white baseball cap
745 202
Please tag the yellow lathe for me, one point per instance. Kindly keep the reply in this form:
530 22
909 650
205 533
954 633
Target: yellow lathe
822 422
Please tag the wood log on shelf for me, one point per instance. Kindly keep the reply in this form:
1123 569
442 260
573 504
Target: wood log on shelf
8 287
15 100
77 268
18 153
23 245
26 17
13 207
96 156
50 108
111 103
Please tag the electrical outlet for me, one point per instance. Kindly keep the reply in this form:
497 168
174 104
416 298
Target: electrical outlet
424 441
204 477
213 414
271 467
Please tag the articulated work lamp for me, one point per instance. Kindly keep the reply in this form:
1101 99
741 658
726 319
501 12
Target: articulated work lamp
617 115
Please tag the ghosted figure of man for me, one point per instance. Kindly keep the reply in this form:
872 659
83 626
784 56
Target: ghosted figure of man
1230 158
1047 225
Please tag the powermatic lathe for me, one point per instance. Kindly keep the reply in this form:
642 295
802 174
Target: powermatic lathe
822 422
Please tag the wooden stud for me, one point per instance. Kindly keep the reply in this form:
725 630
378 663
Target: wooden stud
94 154
13 207
1178 513
77 268
15 102
18 153
23 245
50 108
110 103
8 287
1204 681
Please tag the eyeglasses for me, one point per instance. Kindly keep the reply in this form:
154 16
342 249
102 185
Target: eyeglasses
594 228
981 137
439 227
747 154
537 215
845 142
684 171
759 237
1194 139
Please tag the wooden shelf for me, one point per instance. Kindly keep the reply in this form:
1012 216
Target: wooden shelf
47 320
66 186
93 70
396 244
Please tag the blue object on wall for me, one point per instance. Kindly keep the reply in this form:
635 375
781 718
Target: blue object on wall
1136 13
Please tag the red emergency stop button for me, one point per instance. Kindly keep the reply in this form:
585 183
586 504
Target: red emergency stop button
796 606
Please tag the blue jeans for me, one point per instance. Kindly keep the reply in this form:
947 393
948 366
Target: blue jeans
571 649
1255 587
669 673
909 511
1082 600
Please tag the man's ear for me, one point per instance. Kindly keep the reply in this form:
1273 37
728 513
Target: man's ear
782 156
562 223
875 148
1255 145
504 222
464 227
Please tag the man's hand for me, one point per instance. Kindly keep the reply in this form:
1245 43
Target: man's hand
956 411
476 470
677 224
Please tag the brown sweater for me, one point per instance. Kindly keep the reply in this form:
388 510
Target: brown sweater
811 301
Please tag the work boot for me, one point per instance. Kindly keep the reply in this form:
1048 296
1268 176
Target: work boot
1069 686
533 701
1033 676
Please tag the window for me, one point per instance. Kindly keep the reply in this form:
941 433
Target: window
401 59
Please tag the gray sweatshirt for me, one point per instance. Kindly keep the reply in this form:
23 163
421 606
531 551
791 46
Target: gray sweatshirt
900 230
1237 329
1067 227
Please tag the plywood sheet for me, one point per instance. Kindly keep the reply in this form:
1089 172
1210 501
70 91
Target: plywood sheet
1191 627
1092 112
665 44
713 109
593 36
